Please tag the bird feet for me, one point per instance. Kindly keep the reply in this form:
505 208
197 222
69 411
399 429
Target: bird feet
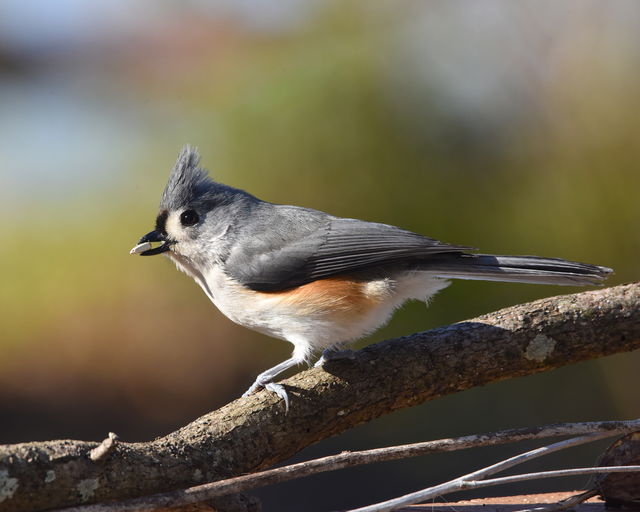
274 387
333 355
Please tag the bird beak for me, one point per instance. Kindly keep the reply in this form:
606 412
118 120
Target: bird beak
145 247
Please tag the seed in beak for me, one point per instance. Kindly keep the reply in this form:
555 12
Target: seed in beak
141 248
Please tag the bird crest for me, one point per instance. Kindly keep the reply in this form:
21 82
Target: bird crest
186 182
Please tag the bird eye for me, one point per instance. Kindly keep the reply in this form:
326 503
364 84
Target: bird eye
189 218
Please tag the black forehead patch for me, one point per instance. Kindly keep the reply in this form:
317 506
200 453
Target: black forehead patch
161 221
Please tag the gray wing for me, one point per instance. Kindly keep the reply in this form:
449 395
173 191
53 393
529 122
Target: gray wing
293 246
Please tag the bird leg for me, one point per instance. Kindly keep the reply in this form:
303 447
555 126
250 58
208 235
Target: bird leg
265 380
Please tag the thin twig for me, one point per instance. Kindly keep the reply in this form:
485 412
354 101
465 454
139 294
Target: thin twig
565 504
459 484
474 480
243 483
475 484
533 454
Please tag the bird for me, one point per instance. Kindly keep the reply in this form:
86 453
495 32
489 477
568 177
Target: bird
313 279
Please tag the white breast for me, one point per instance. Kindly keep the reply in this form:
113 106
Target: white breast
318 315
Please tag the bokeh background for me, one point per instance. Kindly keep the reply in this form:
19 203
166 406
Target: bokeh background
509 126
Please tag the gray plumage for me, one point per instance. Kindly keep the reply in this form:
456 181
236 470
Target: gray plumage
312 245
287 246
189 186
325 246
187 181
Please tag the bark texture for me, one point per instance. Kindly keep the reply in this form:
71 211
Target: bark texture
254 432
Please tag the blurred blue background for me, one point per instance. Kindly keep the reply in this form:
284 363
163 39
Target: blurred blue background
512 127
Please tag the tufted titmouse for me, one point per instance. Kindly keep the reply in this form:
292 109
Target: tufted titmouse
310 278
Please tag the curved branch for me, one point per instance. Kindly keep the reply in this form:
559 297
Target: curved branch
253 433
204 492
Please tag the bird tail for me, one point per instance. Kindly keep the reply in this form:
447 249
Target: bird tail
516 269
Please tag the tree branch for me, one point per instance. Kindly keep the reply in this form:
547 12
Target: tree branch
205 492
252 433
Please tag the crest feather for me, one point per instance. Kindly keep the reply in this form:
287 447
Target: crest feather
186 182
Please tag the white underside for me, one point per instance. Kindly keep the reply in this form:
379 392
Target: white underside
312 333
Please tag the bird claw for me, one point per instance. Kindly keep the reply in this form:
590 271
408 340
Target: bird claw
332 355
320 362
278 389
254 387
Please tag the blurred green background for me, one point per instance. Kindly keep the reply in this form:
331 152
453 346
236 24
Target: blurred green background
508 126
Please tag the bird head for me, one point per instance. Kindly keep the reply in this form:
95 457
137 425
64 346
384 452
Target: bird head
195 215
